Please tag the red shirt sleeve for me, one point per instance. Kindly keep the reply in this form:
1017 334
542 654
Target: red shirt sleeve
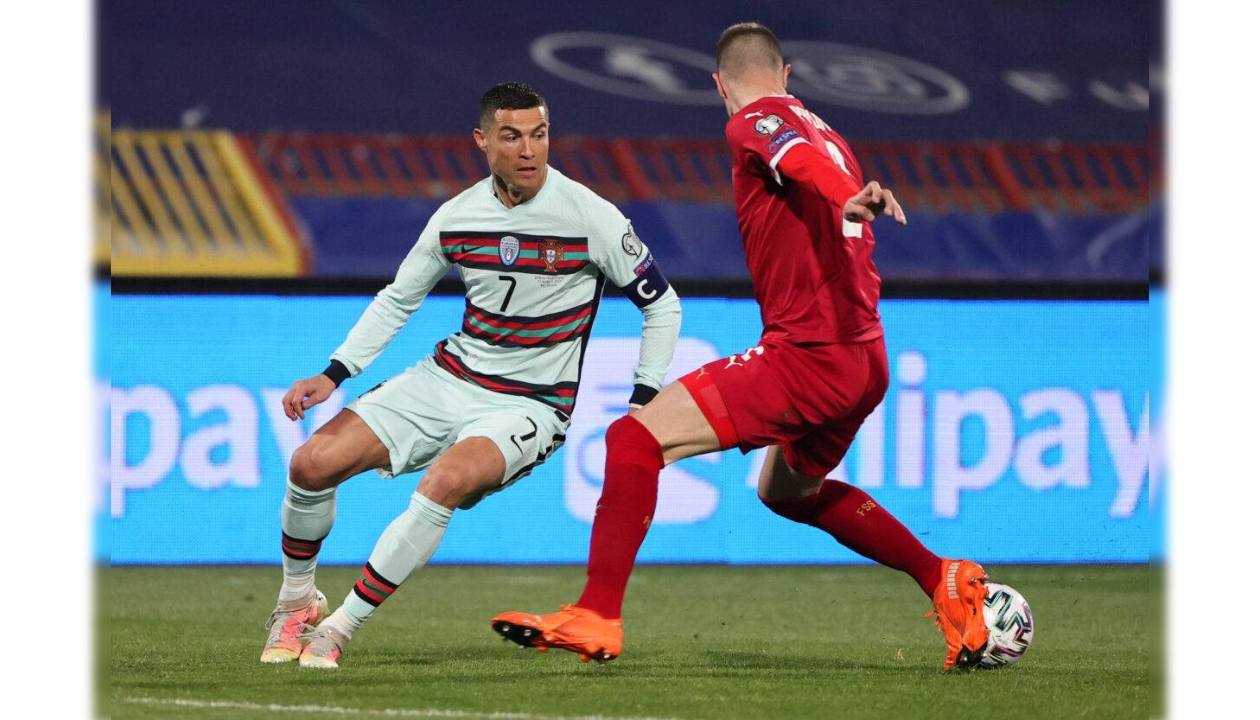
810 168
764 137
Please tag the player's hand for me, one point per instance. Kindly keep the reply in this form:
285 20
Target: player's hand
872 202
306 394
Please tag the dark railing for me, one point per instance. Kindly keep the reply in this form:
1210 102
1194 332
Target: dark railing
937 176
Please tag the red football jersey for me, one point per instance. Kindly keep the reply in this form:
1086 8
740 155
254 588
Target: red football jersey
812 270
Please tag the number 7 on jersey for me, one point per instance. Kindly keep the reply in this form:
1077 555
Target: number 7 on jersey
511 288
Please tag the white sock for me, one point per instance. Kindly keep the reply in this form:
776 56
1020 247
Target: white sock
405 546
306 517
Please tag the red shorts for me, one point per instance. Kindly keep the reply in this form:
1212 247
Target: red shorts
808 399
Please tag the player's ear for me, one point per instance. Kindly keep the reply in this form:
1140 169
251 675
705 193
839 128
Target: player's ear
787 69
721 90
479 138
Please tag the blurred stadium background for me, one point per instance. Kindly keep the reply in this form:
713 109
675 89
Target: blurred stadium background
262 169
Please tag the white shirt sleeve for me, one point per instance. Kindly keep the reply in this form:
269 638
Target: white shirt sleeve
420 271
619 253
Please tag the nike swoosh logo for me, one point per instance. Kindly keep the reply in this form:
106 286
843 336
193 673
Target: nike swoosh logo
759 113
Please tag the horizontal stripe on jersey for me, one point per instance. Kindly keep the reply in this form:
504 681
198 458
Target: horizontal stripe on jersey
529 254
538 331
561 396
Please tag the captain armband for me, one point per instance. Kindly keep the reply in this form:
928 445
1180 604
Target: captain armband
648 285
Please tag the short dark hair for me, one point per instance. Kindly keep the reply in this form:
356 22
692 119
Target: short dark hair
508 96
746 44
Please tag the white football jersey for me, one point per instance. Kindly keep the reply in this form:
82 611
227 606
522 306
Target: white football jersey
534 275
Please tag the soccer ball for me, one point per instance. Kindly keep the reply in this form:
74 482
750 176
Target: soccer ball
1010 623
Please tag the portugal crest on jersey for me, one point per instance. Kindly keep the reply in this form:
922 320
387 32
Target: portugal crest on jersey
509 249
551 253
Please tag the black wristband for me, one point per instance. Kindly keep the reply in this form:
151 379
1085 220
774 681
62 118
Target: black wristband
336 372
642 395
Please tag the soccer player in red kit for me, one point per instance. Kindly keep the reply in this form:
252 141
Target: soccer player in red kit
819 369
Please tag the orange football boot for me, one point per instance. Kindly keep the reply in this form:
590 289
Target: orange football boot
959 609
573 628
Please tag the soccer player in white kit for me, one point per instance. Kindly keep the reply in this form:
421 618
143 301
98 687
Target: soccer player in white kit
493 401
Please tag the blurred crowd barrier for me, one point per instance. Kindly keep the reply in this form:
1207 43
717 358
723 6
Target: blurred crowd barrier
214 203
193 203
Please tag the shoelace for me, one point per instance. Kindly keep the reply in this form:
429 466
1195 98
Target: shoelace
277 613
321 641
276 629
307 631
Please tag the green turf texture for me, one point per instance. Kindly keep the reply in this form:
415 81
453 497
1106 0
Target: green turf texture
702 642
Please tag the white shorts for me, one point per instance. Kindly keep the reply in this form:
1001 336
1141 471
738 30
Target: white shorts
420 413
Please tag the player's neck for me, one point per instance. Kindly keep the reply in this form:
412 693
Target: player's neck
741 96
511 197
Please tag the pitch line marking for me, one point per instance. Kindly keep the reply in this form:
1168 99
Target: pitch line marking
387 712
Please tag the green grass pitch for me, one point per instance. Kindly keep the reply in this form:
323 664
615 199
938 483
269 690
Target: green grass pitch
702 643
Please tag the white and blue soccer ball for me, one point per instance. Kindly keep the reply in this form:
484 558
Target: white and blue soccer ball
1010 623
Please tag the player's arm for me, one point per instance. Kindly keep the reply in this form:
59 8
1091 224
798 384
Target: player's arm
384 317
662 320
805 165
630 265
767 135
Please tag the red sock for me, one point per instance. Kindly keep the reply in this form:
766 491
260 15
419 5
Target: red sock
857 522
631 473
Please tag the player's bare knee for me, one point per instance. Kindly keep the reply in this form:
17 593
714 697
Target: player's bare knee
446 485
773 503
308 467
799 509
676 425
